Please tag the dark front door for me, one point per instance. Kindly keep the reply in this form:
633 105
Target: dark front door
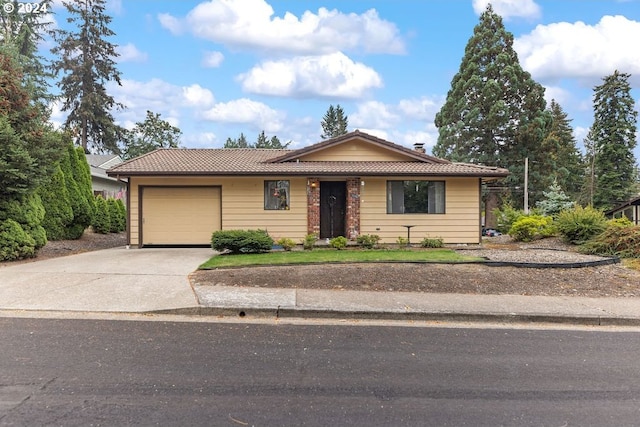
333 199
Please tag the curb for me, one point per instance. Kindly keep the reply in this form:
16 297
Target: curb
507 318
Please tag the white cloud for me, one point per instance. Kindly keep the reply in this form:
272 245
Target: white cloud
130 53
422 109
374 114
251 24
197 96
509 8
333 75
171 23
579 50
199 140
212 59
558 93
257 115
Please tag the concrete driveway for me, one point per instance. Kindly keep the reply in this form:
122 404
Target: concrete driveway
111 280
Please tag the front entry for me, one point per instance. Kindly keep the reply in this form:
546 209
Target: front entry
333 200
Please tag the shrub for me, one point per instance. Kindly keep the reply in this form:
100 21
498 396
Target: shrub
579 224
428 242
309 241
118 220
241 241
615 240
286 243
55 199
102 219
402 242
338 243
506 216
368 241
15 243
532 227
123 214
619 222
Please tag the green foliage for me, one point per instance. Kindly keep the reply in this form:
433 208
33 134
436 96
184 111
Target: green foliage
619 222
506 216
83 85
15 243
27 211
309 241
272 143
368 241
58 212
122 217
334 123
532 227
613 134
579 224
555 201
241 142
82 175
495 113
150 135
102 219
79 206
402 242
241 241
616 240
286 243
116 222
432 242
338 243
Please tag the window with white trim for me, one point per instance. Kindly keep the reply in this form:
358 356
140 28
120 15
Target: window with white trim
415 197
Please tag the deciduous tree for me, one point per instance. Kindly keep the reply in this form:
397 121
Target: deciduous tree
151 134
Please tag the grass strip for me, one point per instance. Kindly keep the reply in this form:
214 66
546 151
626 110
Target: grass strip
332 255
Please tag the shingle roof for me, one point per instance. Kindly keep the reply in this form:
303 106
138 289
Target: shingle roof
252 161
255 161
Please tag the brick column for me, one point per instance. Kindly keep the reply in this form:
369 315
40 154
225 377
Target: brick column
313 206
353 208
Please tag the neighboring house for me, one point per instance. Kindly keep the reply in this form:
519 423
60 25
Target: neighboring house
630 209
346 186
101 183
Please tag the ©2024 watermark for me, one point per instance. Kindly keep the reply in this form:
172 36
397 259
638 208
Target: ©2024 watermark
24 7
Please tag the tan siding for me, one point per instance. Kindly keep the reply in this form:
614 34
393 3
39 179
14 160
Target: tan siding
460 223
242 204
355 151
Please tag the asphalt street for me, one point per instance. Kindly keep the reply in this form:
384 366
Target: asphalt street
114 372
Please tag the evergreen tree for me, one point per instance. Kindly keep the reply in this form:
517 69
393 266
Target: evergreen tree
87 59
614 137
555 201
151 134
565 162
102 219
57 205
20 34
334 123
494 113
28 149
271 143
82 175
241 142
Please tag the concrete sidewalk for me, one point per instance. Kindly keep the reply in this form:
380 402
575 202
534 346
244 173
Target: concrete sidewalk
156 281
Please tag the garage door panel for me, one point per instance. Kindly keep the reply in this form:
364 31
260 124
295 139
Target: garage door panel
180 215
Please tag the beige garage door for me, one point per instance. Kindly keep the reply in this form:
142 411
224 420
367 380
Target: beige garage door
180 215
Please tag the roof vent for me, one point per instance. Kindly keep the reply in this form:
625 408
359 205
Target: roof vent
419 147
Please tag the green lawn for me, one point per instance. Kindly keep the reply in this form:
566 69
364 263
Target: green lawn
332 255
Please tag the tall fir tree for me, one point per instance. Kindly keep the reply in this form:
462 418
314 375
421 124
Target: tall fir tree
87 59
614 137
494 113
270 143
241 142
334 123
565 161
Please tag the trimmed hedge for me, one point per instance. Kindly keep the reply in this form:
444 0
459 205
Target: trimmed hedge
241 241
15 243
102 218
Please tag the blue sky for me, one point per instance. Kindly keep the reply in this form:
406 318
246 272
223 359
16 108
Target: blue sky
221 67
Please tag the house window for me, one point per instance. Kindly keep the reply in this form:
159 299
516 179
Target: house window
276 195
409 197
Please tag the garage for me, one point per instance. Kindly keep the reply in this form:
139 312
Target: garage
179 215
